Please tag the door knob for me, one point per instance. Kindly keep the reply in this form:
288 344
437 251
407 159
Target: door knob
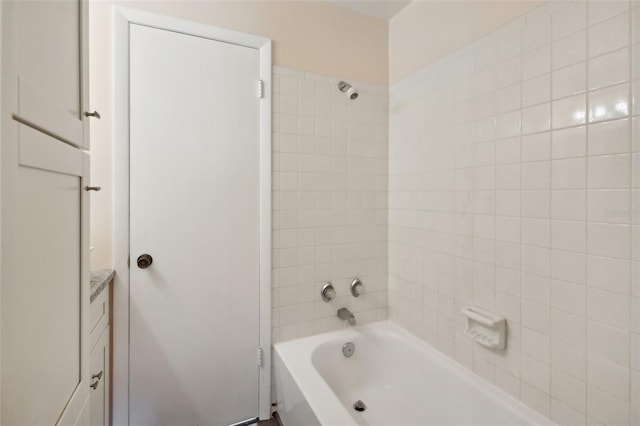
144 261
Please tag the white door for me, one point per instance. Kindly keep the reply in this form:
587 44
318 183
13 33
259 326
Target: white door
194 208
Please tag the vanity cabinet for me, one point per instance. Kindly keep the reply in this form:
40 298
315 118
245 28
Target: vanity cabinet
100 359
44 174
100 366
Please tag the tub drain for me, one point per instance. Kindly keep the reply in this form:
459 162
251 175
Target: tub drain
359 406
348 349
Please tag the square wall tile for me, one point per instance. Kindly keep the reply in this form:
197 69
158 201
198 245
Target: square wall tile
608 342
569 297
608 69
536 147
536 32
611 206
570 80
569 19
569 111
536 90
536 119
568 204
609 35
609 240
611 137
600 11
568 143
570 50
538 61
608 308
609 172
569 174
570 236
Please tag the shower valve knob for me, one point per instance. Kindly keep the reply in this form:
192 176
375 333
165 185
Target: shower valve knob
144 261
328 292
356 287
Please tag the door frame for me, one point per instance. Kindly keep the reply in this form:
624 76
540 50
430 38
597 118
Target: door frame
122 18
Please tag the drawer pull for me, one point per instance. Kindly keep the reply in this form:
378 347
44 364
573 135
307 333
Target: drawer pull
95 384
97 376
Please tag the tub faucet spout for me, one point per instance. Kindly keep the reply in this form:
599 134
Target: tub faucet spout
345 314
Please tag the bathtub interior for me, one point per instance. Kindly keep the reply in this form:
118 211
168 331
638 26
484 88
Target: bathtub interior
404 382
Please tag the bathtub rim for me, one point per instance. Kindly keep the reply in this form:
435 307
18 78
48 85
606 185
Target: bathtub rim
296 356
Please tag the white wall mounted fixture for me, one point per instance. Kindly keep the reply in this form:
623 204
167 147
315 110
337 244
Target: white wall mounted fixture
486 328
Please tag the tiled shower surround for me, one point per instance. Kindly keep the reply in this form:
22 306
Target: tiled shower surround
512 181
504 176
329 202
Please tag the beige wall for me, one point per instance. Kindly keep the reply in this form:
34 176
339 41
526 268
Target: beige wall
426 31
314 36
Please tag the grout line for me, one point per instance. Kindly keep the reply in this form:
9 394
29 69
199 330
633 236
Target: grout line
520 298
631 174
586 216
551 131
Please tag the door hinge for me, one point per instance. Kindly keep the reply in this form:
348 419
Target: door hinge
260 357
260 89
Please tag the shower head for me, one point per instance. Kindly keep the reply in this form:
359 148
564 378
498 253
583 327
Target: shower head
351 91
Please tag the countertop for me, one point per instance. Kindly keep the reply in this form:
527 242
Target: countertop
99 281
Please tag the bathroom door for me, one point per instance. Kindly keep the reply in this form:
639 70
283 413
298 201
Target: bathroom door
194 209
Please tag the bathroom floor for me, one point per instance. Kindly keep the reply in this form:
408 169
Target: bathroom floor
270 422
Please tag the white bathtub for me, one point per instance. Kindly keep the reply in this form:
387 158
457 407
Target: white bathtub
401 379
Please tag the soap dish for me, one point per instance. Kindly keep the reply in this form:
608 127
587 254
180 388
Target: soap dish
486 328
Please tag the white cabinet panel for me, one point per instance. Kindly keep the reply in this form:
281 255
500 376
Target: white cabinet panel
50 50
83 418
45 288
98 316
100 375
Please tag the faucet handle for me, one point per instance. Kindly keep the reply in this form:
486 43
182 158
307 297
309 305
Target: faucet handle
328 292
356 287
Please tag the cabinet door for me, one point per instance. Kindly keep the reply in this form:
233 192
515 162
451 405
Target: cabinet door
83 418
100 374
50 52
45 281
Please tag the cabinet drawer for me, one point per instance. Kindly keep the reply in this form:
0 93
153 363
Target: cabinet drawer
100 369
99 316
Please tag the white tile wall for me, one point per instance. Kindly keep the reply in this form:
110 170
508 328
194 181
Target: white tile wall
329 202
514 174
